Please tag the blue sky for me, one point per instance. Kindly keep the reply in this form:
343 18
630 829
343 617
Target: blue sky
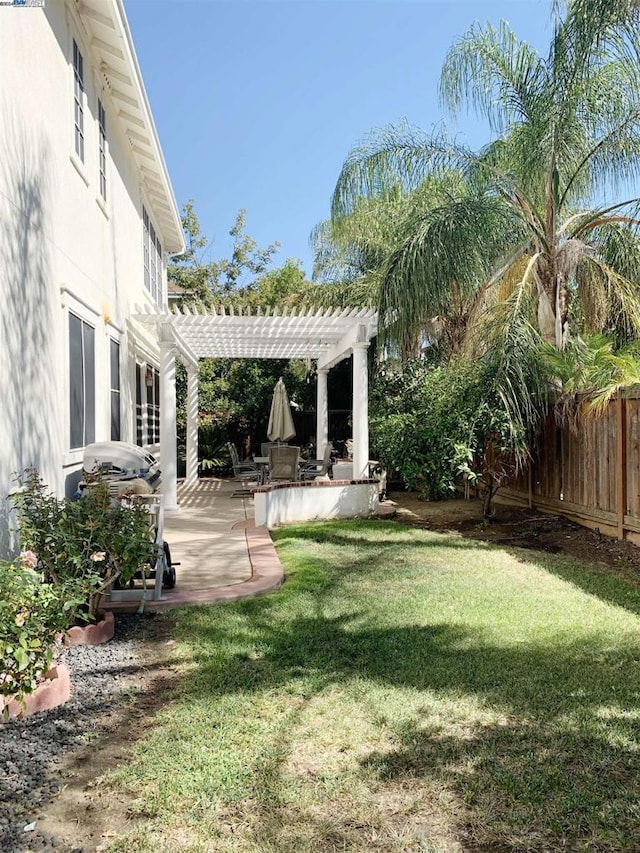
258 103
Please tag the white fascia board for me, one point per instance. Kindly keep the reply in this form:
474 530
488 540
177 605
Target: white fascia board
176 244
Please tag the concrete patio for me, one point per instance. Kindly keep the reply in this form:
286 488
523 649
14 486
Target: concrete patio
222 556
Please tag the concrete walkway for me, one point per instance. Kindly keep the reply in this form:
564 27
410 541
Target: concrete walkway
222 556
207 536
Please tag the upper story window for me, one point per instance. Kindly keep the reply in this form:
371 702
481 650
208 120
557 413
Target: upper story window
152 255
78 100
102 149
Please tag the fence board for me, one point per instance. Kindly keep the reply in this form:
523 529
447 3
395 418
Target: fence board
585 473
633 455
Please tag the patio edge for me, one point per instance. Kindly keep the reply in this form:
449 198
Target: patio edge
267 575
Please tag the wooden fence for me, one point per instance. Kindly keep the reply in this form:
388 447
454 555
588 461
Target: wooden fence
591 475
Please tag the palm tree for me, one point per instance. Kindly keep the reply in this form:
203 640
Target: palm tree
527 234
354 249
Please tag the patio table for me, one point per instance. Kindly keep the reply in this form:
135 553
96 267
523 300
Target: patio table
263 464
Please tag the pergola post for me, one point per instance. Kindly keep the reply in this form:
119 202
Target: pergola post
322 411
360 411
168 432
192 426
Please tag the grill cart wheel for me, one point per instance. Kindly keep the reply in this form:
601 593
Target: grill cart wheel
169 571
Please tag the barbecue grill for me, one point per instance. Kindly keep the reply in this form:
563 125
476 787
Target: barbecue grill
132 470
121 463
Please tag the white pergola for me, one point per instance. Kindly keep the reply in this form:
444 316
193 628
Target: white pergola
326 336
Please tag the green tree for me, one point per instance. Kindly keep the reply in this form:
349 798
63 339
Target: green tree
284 285
205 281
380 227
436 423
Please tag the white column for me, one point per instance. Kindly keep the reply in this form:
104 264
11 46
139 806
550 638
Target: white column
322 412
192 426
360 412
168 437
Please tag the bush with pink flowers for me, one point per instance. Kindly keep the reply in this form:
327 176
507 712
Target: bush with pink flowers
32 613
87 544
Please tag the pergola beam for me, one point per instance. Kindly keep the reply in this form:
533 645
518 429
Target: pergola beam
357 334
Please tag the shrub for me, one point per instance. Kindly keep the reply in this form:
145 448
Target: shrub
89 543
32 613
439 424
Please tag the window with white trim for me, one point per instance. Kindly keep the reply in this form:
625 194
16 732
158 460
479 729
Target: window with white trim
139 410
82 382
153 405
152 258
147 405
78 100
102 149
114 391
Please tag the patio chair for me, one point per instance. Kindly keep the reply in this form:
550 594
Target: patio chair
283 463
244 473
312 468
265 446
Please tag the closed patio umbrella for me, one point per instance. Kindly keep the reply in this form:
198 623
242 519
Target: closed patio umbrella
281 426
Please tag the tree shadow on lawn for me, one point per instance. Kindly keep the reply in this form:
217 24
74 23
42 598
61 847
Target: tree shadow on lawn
599 580
560 769
526 785
394 535
563 764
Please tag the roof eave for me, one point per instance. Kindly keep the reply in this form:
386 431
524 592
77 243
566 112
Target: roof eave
114 43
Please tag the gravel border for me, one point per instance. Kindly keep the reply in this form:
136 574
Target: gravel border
31 749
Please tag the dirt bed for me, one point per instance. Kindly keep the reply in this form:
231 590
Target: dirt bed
514 526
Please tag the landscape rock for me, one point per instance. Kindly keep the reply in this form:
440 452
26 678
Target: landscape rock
31 749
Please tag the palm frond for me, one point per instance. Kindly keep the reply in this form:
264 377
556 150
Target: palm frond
588 373
397 155
520 378
495 73
453 248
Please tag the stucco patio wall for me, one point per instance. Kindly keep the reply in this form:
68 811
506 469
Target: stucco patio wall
287 503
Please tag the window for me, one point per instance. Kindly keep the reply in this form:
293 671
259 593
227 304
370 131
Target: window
152 257
145 248
139 413
147 406
114 356
152 381
82 402
102 149
78 100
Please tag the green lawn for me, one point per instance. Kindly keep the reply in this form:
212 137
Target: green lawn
403 691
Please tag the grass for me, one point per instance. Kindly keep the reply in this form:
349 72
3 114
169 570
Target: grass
403 691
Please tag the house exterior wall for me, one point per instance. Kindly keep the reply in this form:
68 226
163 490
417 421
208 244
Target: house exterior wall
62 247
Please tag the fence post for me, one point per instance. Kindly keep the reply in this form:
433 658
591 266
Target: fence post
621 462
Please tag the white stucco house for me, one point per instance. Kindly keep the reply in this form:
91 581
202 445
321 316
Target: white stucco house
88 219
